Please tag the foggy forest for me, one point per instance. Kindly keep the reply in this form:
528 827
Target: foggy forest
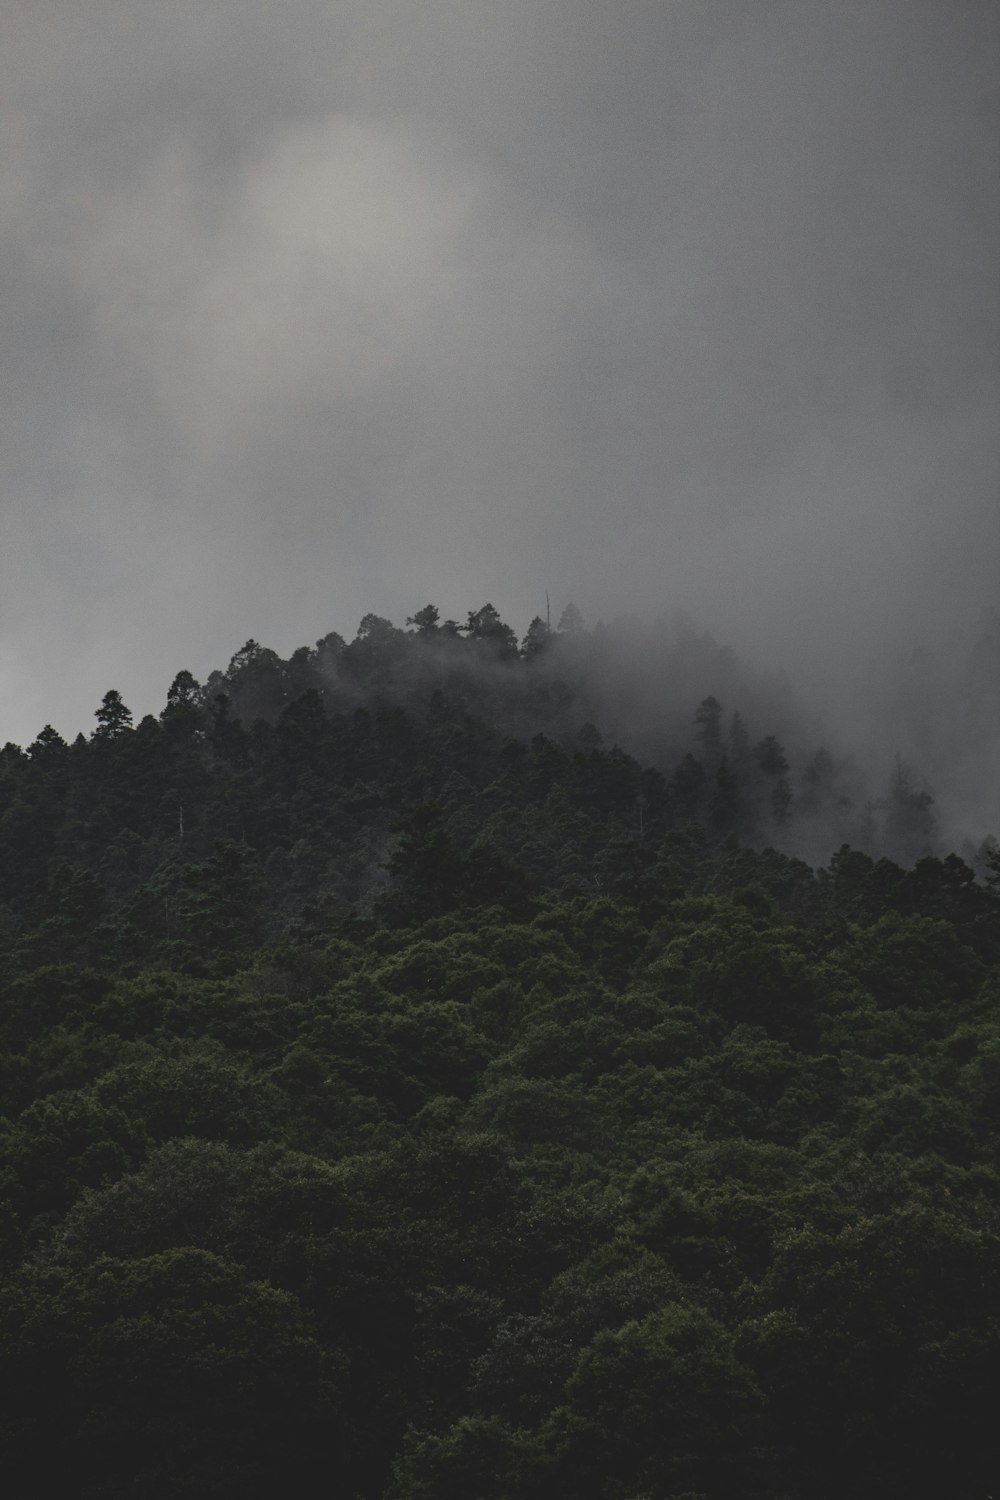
540 1038
412 1091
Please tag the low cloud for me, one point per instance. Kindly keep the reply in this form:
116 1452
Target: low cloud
319 310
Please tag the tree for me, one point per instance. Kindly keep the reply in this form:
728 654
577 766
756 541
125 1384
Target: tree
770 757
257 682
724 809
479 1456
910 824
486 625
687 790
660 1406
739 741
329 650
781 801
375 650
425 868
182 716
173 1374
66 914
773 765
113 718
817 783
249 654
230 741
426 621
536 639
221 901
708 718
183 691
49 748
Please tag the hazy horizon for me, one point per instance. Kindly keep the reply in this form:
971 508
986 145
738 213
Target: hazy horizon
313 311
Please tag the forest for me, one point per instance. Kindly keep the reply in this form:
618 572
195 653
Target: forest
439 1066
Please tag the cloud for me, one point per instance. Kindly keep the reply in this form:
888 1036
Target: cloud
312 310
330 254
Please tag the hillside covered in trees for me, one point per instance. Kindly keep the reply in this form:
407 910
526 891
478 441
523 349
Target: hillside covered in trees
285 781
409 1093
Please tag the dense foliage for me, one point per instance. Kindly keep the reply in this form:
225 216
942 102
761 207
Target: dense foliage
408 1097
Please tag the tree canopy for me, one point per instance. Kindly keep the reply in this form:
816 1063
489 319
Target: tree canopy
408 1093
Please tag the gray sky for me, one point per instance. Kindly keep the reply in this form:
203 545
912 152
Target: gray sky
330 306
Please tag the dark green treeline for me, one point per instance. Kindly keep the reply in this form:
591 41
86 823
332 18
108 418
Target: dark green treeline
408 1095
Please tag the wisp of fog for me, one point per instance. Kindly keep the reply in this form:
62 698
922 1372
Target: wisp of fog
663 305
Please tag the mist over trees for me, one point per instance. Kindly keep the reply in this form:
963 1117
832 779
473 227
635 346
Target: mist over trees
743 753
443 1064
570 753
500 1052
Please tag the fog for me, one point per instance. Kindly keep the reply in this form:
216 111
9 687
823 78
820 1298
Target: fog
313 310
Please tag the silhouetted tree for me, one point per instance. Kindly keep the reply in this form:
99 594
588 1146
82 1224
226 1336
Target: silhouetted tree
536 639
113 718
485 625
49 748
426 620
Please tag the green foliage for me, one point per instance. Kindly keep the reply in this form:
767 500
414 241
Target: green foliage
661 1404
407 1094
168 1374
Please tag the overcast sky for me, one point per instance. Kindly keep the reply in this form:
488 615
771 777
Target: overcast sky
322 307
